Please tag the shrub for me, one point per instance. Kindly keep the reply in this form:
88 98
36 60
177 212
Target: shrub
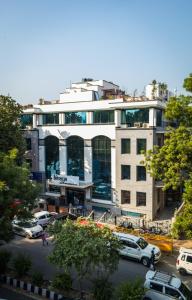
21 264
62 281
130 290
37 278
4 260
102 289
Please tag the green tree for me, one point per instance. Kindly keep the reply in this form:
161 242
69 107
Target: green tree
10 129
89 249
172 163
188 83
130 290
17 192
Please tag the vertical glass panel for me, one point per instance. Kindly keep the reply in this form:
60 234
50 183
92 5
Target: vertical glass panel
51 156
141 145
103 116
26 120
75 117
101 147
75 156
52 118
125 197
131 116
159 117
125 146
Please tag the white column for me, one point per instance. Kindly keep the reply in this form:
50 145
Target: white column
113 167
42 158
63 157
152 117
61 118
34 120
89 117
117 118
88 161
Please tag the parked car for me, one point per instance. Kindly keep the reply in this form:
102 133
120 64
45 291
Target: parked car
42 217
61 217
136 247
164 286
184 261
28 228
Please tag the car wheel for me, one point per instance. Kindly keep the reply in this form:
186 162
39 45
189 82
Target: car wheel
28 236
182 271
145 261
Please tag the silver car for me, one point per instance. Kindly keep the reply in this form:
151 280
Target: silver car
29 228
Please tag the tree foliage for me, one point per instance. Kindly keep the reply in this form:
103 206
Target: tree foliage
10 129
89 249
17 192
130 290
188 83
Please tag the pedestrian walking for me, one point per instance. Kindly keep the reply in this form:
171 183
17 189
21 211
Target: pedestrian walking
152 259
44 239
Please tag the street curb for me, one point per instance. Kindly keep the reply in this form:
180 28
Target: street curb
28 287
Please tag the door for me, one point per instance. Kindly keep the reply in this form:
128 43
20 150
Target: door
188 263
73 194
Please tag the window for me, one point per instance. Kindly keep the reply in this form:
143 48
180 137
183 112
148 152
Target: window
141 173
183 257
141 199
172 292
51 119
125 197
141 145
157 287
75 156
189 259
125 172
52 165
125 146
28 143
26 120
131 116
103 116
159 117
75 117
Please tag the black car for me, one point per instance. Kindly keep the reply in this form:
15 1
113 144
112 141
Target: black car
62 217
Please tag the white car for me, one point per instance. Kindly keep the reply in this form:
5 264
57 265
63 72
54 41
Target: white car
136 247
42 217
164 286
184 261
27 228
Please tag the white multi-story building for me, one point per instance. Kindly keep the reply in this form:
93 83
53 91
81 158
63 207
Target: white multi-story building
90 145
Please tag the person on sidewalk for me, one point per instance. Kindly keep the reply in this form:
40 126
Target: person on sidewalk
44 239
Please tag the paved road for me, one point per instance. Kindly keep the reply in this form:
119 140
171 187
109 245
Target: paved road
9 294
127 270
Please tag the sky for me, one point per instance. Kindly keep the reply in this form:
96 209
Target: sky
47 44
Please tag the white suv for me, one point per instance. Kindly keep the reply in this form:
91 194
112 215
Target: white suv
136 247
184 261
163 286
42 217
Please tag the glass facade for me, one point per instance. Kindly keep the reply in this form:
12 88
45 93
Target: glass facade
159 117
26 120
75 156
51 119
75 117
131 116
125 146
141 145
51 156
103 116
101 149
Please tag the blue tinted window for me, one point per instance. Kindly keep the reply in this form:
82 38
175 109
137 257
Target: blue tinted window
75 156
103 116
49 119
51 156
75 117
101 147
26 120
159 117
131 116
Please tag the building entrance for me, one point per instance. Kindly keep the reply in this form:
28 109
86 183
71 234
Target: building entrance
76 197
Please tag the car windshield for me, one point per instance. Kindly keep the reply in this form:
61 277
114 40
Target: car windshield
28 224
142 243
185 291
